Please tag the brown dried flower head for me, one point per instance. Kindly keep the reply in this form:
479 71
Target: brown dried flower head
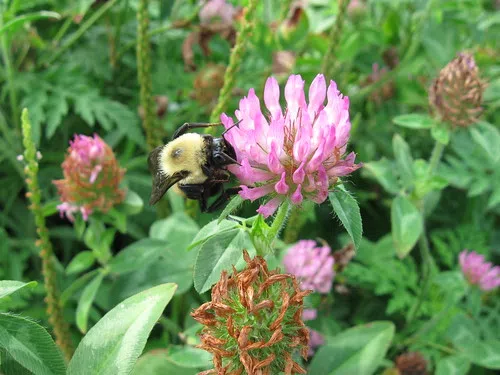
412 363
456 94
254 322
208 82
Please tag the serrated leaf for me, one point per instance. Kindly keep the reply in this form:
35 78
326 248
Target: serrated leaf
55 110
30 345
8 287
383 172
358 350
407 225
210 230
85 302
113 345
347 210
414 121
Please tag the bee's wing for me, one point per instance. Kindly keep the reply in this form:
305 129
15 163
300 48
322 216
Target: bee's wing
161 182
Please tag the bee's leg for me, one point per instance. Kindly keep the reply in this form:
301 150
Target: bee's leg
192 125
223 198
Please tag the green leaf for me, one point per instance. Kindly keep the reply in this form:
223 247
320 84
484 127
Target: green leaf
220 252
30 345
261 237
453 365
487 137
414 121
85 302
404 160
232 206
406 223
8 287
138 255
211 229
113 345
82 261
187 356
464 335
383 172
358 350
75 286
441 133
21 20
133 203
158 362
55 111
178 230
347 210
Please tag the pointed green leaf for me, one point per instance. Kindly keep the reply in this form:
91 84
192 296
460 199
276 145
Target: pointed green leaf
138 255
113 345
85 302
30 345
404 160
414 121
232 206
406 222
347 210
20 20
11 286
82 261
358 350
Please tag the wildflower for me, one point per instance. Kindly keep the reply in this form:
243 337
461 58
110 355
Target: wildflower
297 154
207 84
456 94
312 265
253 322
478 272
412 363
91 178
217 11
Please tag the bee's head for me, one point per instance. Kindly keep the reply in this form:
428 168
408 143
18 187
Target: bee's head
222 152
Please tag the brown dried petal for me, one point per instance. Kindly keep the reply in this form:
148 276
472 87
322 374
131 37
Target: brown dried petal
243 337
265 362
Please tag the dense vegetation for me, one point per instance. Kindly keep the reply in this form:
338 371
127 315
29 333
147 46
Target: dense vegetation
401 252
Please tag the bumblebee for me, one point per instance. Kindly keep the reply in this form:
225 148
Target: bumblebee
196 164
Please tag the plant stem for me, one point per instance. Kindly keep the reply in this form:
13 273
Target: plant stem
9 72
427 259
285 9
328 65
144 74
294 224
234 64
54 307
83 28
279 219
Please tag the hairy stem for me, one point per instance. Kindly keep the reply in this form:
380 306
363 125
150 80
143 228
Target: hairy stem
54 307
234 64
279 219
294 225
427 259
328 66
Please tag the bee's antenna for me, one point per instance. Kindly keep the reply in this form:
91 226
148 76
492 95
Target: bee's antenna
235 124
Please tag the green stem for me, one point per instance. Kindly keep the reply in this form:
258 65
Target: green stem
54 306
335 35
234 64
285 9
83 28
62 31
279 219
295 223
427 259
9 72
144 74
